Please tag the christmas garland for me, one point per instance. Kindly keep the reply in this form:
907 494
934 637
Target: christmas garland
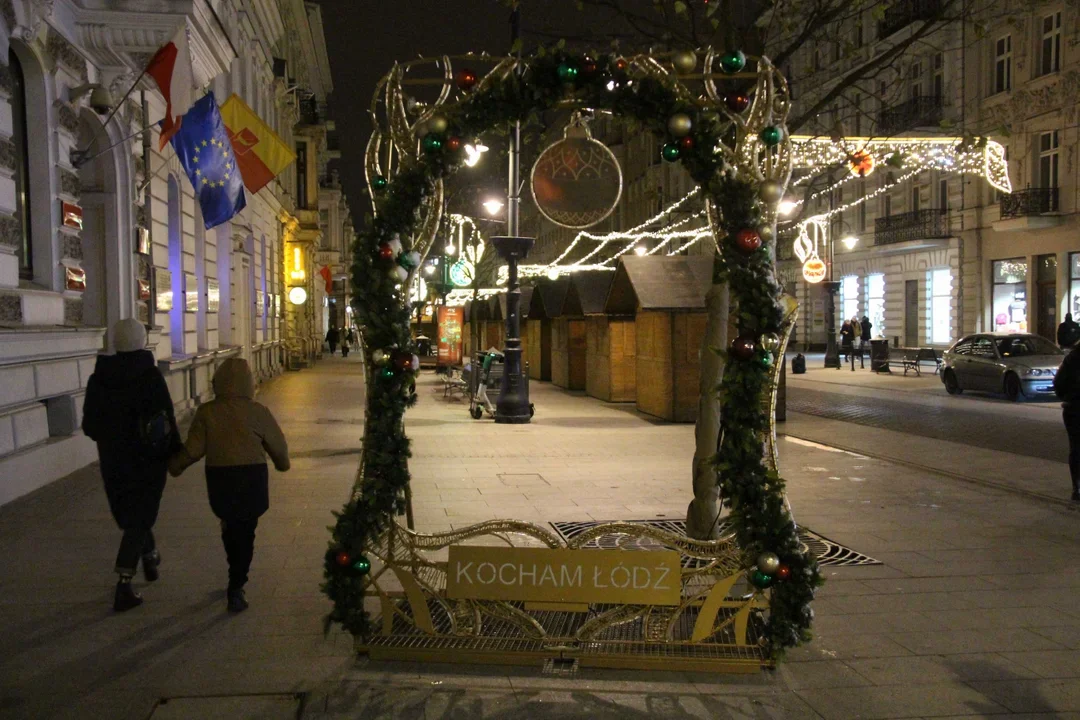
755 494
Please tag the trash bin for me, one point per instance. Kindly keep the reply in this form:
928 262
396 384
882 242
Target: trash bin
879 355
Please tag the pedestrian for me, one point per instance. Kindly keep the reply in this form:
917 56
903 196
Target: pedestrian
856 330
235 434
347 345
1067 388
332 336
129 414
866 328
1068 332
847 334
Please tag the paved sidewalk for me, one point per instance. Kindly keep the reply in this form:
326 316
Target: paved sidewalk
972 614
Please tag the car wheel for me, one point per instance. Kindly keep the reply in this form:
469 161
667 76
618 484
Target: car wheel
1012 387
952 385
477 412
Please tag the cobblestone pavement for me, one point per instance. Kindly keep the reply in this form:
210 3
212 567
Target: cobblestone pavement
972 612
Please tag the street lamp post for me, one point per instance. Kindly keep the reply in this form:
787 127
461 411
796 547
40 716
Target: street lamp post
832 352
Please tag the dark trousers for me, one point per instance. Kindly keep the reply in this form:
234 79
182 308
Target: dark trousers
239 539
345 350
137 542
1072 427
333 346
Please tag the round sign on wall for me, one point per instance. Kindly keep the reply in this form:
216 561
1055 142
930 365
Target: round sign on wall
298 296
813 270
576 182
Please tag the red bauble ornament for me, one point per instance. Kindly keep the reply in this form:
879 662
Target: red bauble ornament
588 68
403 360
748 241
620 64
743 347
386 252
453 143
686 142
343 559
783 572
736 102
465 79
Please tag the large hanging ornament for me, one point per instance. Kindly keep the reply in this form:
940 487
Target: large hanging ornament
743 347
576 182
670 152
679 125
862 163
748 241
768 562
770 191
736 102
684 61
814 269
771 135
733 61
465 79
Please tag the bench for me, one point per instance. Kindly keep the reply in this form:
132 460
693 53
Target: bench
455 381
913 359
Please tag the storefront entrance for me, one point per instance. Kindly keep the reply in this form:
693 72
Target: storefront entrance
1046 319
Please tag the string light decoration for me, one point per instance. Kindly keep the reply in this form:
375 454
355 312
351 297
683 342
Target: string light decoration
457 298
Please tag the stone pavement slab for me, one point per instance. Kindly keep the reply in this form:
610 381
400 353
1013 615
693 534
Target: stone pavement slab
972 613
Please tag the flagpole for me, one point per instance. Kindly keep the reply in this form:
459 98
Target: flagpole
79 156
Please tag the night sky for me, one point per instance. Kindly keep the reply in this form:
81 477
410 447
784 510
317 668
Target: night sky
365 37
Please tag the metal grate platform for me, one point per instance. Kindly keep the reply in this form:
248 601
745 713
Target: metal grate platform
828 552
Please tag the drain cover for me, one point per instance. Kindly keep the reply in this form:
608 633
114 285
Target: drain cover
560 666
828 552
288 706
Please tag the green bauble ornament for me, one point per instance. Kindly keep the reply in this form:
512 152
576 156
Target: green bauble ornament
432 142
733 61
771 135
362 566
679 125
567 73
760 580
386 373
770 191
379 182
766 360
670 152
768 562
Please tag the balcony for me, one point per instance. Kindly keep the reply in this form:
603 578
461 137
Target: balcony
904 12
918 225
1031 201
920 111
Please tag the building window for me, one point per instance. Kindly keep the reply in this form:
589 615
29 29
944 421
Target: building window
915 79
939 75
1010 295
1050 47
940 306
849 296
24 248
875 303
1074 284
1048 159
916 198
1003 64
301 175
943 194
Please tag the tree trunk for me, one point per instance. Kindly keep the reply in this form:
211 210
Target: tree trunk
703 514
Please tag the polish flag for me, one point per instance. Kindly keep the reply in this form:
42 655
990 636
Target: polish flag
171 69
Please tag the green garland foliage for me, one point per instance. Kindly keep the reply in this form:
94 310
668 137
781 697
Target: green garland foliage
761 521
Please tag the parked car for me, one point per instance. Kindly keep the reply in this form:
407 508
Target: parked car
1018 365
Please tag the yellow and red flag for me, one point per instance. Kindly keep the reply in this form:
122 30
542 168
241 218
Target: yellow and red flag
260 154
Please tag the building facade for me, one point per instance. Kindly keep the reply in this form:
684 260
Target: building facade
97 224
936 255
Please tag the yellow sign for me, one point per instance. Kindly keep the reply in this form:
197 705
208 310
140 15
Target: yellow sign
813 270
650 577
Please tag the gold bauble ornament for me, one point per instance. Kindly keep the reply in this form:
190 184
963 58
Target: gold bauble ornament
766 233
437 124
685 61
679 125
420 129
771 191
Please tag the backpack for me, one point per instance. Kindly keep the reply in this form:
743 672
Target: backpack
798 364
154 433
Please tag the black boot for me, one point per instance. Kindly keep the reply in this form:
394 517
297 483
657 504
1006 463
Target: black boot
150 562
126 598
237 601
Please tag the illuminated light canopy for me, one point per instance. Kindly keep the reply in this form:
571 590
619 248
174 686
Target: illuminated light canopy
457 298
297 272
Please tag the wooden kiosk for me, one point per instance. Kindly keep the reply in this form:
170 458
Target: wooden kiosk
568 344
609 341
666 298
545 301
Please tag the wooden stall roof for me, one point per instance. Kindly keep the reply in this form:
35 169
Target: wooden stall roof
587 293
659 283
547 298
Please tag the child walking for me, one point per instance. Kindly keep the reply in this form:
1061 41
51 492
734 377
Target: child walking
235 434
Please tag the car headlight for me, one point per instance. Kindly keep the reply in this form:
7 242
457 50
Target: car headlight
1031 372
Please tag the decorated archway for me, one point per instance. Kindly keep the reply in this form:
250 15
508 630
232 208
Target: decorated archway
735 147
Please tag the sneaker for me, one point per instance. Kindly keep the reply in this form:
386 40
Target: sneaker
150 562
126 598
237 601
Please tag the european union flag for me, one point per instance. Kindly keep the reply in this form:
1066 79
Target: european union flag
204 149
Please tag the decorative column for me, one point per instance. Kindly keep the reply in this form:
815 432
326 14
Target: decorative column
513 404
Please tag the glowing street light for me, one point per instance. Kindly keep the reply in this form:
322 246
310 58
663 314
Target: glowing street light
473 153
787 207
493 206
640 250
850 242
450 249
553 273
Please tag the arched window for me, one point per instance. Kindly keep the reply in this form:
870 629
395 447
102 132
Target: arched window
22 166
176 267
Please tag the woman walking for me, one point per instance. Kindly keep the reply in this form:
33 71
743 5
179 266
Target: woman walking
847 335
129 414
235 433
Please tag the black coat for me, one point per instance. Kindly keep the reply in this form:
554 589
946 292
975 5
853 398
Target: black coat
1067 333
1067 380
122 387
